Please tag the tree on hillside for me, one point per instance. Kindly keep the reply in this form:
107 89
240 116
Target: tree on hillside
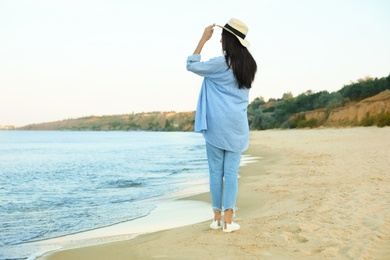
287 96
255 104
365 79
365 88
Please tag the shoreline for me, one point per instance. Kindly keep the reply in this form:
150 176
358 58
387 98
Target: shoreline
194 201
315 194
249 160
127 229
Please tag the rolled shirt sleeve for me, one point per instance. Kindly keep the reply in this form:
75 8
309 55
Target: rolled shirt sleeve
205 69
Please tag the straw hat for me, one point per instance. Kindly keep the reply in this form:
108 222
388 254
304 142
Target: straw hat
238 29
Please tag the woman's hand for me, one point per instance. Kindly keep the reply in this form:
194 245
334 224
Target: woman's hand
208 32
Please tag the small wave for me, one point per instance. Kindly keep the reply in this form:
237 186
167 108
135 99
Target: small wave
122 201
39 254
198 160
196 147
247 159
183 170
121 184
160 170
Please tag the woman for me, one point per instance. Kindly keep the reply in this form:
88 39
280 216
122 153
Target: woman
221 114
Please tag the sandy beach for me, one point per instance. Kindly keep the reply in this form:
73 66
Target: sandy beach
314 194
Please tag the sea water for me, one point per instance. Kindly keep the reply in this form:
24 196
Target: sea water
54 183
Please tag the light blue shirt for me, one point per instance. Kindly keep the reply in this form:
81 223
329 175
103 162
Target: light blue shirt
221 113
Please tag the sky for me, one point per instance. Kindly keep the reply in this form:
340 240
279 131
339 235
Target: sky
62 59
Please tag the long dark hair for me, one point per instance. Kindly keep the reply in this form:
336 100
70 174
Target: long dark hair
239 59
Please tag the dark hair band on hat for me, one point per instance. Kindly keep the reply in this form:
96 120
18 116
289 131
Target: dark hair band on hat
238 33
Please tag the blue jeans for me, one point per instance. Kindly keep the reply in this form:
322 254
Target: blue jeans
223 169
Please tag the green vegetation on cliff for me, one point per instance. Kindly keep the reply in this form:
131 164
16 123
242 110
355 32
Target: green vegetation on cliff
154 121
289 111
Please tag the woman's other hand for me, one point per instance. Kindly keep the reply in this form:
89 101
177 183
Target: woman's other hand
208 32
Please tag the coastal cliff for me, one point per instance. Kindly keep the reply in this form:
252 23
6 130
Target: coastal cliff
154 121
366 112
356 113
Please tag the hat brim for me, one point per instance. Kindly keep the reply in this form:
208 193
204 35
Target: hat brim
243 42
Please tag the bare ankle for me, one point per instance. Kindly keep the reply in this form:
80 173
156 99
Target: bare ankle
217 215
228 216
